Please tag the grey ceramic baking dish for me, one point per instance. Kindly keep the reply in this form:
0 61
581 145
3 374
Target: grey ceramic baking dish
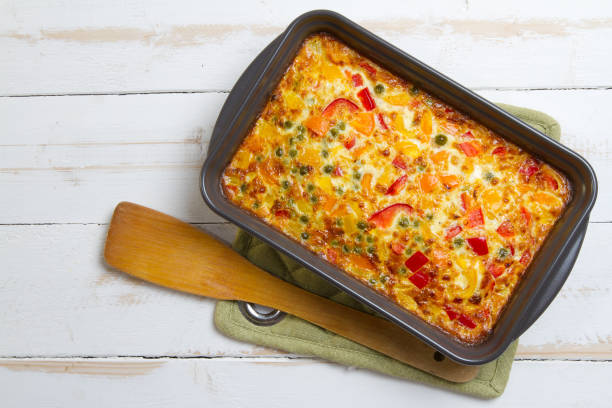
550 266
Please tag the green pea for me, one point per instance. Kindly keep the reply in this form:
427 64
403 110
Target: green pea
404 222
346 249
300 137
304 219
379 89
304 170
429 217
503 253
408 251
314 199
403 270
243 188
371 250
301 129
458 242
414 91
370 239
334 243
441 139
292 140
258 158
325 154
334 132
310 187
256 205
279 152
294 170
293 152
305 235
359 238
339 222
357 250
341 125
489 176
372 281
420 168
362 225
418 238
339 191
416 223
357 175
384 278
288 124
328 168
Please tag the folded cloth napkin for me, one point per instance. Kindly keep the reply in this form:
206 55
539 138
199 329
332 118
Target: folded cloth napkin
298 336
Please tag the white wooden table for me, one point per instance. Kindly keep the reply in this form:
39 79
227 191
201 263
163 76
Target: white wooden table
110 100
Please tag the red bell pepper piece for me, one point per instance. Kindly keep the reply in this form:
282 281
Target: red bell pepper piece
338 171
512 249
381 119
526 216
469 149
332 255
466 321
366 99
350 143
357 81
420 280
282 213
475 218
416 261
468 135
384 218
451 313
398 248
529 168
525 258
368 68
551 181
495 269
453 231
339 105
478 245
500 151
506 229
399 162
397 186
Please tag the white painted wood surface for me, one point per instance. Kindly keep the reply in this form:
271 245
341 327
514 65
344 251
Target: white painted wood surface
103 101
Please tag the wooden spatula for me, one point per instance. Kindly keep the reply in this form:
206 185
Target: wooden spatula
163 250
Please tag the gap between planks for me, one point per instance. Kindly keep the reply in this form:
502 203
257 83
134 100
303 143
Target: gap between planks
226 91
270 355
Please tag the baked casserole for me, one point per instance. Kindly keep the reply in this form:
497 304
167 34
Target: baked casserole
396 188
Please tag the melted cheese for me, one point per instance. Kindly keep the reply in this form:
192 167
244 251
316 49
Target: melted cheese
323 169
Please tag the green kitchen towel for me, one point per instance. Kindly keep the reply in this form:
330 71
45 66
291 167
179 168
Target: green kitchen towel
298 336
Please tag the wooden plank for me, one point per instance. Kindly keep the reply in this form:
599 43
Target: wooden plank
276 383
59 299
130 47
83 154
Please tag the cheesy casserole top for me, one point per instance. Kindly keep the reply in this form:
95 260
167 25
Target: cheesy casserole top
395 187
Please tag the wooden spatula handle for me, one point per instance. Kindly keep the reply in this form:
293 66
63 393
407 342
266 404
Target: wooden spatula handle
163 250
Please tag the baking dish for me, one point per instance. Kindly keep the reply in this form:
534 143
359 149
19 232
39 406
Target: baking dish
549 268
